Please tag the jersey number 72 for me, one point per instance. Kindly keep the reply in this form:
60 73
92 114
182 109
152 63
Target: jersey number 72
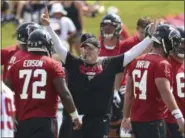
28 74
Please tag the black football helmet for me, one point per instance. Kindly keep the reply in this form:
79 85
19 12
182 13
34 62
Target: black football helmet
115 20
168 37
180 50
23 31
40 41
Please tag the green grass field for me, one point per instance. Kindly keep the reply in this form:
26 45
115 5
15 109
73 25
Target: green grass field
130 11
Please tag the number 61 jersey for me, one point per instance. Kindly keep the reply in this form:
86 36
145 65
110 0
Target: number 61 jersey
32 81
147 104
178 87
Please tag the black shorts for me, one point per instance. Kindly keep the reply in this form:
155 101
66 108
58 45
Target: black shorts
92 127
95 127
173 131
37 128
153 129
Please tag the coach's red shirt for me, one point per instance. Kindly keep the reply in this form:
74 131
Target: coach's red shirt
147 104
32 79
6 54
178 87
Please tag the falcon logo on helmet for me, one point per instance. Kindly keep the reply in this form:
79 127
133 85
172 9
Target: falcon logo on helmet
168 37
23 31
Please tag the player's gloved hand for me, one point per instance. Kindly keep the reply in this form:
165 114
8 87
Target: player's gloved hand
45 20
126 125
181 124
116 98
77 123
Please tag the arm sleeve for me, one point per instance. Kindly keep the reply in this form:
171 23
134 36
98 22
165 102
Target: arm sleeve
136 50
58 45
163 70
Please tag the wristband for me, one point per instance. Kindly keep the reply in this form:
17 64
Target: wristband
177 113
74 115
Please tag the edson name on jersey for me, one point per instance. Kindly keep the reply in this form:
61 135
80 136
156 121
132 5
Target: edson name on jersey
33 63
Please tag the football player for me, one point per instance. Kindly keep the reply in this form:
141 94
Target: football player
37 81
22 33
148 87
110 28
176 59
124 30
7 111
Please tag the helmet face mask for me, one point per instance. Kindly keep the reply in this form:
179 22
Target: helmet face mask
108 30
179 50
110 26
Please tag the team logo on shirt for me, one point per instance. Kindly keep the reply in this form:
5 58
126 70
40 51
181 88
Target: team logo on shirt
91 72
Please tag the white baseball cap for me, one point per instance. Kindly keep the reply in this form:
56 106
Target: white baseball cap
58 7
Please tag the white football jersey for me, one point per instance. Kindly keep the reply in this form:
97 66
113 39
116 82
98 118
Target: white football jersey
7 109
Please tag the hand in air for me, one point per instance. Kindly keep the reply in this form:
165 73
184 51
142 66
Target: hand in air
45 20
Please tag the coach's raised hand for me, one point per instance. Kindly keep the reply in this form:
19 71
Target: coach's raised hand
45 20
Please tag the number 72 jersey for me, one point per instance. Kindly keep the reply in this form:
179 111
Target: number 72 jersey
147 104
178 87
32 81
